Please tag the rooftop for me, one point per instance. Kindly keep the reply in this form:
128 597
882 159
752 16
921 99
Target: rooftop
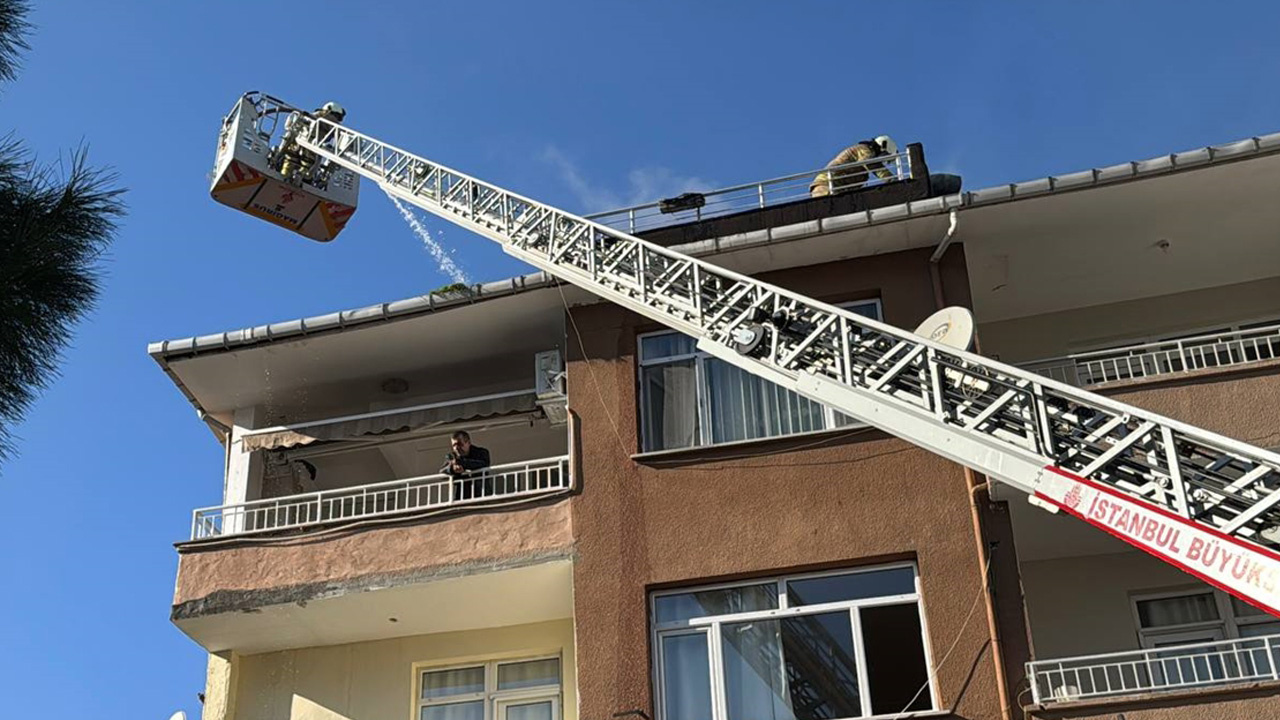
1075 225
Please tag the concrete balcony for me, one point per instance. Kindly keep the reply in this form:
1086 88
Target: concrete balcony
408 497
1170 668
418 556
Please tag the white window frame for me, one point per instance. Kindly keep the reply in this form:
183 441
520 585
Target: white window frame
1226 627
710 626
493 697
700 359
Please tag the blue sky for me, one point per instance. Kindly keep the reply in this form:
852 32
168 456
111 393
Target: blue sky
582 104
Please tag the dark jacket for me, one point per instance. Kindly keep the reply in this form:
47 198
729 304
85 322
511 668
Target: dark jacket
477 458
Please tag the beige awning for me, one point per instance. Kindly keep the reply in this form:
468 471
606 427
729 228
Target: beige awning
391 421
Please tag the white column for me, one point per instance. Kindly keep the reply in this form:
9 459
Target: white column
244 470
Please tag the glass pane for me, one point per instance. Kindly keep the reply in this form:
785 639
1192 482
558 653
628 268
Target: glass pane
869 308
459 681
653 347
799 668
686 675
669 413
1258 629
896 666
1244 609
1177 610
745 407
540 710
456 711
852 586
841 420
746 598
529 674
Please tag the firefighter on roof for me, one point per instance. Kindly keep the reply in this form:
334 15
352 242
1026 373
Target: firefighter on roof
830 182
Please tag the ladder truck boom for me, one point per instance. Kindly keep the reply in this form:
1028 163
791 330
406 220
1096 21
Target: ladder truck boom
1198 500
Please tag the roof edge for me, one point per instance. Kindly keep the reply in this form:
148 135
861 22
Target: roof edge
1247 148
182 348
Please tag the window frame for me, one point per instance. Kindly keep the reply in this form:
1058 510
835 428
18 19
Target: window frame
1227 626
491 696
711 627
704 437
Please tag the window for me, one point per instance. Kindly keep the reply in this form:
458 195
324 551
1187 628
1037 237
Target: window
810 647
1189 616
688 398
515 690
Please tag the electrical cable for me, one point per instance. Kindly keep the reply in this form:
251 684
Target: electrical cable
594 381
933 675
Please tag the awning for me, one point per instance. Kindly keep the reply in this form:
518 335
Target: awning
391 421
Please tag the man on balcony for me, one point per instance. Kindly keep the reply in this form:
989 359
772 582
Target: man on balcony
466 464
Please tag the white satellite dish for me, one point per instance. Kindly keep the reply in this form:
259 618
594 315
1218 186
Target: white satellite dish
180 715
953 327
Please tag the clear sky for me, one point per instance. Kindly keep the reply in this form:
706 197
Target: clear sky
583 104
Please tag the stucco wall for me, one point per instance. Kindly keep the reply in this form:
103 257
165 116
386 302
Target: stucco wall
1081 606
1060 333
846 500
376 680
1241 403
222 578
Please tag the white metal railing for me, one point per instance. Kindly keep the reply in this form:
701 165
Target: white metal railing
1180 667
534 477
1236 347
753 196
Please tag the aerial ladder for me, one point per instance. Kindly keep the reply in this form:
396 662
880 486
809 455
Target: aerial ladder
1196 499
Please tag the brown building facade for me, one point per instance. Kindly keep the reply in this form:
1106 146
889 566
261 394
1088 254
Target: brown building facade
664 536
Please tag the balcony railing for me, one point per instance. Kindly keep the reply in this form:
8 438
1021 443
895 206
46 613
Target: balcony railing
1182 667
1163 358
514 480
753 196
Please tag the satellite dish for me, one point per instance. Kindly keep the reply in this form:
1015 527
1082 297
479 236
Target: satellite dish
180 715
951 326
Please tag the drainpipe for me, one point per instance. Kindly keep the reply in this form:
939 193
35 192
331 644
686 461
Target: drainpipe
976 488
939 298
985 556
225 432
213 422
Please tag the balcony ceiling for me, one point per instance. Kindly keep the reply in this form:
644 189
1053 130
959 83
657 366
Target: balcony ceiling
1104 245
486 342
492 599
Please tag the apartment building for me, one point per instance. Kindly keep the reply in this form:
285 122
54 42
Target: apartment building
664 536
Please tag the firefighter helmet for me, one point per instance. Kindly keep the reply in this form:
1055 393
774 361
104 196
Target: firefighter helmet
887 145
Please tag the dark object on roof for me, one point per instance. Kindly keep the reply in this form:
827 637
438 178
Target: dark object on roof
944 184
687 201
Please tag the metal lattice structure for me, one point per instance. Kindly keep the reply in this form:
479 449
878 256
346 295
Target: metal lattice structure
1174 490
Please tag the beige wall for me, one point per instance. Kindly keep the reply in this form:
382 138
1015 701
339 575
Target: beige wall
376 680
1080 605
1061 333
